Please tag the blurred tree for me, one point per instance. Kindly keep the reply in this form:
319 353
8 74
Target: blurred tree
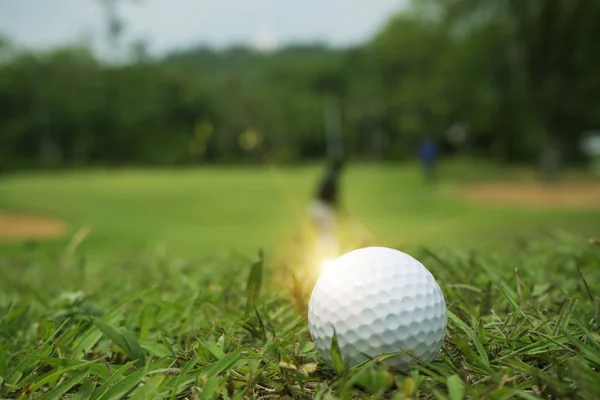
553 66
115 29
413 57
6 49
521 76
114 25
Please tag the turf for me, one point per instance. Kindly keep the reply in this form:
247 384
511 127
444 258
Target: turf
523 312
523 323
200 212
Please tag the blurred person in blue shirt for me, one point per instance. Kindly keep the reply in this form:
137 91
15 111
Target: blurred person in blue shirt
428 155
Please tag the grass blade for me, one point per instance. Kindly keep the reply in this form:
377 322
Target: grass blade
225 363
86 390
54 375
178 382
112 380
124 340
25 366
64 387
124 386
254 283
210 387
456 387
336 355
587 287
473 336
2 361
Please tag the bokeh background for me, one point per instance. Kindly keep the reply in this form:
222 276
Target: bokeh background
197 128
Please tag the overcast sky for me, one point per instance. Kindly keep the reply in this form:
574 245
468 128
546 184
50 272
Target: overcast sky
170 24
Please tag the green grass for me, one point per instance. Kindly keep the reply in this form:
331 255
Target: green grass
522 324
199 322
201 212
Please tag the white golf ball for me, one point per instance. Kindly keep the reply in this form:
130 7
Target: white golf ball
379 300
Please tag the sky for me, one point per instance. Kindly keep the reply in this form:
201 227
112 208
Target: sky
175 24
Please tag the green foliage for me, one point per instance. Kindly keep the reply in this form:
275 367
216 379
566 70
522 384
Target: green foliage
526 333
547 60
520 75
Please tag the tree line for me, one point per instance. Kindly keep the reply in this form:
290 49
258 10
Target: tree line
513 80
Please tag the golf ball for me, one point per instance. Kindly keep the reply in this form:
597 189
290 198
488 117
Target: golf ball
378 300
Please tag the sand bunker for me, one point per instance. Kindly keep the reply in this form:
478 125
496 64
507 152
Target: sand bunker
14 228
579 195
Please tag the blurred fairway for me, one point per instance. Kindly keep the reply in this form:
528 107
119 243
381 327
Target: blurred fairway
202 212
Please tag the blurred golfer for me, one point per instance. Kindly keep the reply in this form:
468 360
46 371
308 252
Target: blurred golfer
324 211
428 154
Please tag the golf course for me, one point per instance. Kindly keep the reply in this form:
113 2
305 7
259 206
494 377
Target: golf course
296 200
202 212
196 313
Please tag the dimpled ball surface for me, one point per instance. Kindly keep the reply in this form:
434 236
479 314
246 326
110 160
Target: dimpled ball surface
379 300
